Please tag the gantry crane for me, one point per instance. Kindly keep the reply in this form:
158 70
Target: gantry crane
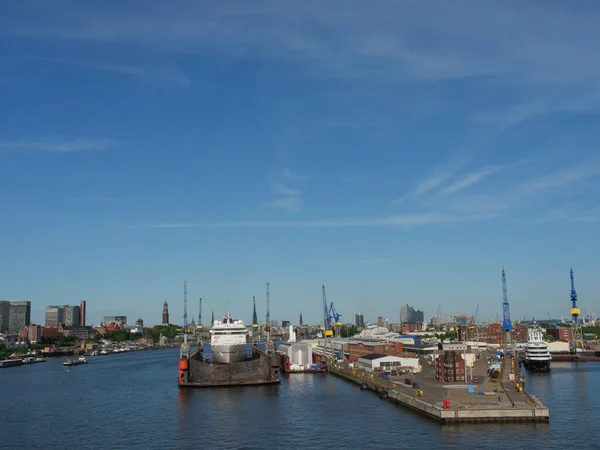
327 331
575 311
334 320
506 323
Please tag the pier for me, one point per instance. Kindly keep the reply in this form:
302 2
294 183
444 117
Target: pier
502 400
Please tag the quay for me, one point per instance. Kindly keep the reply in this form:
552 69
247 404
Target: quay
502 400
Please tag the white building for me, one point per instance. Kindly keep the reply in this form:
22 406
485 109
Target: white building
371 362
300 354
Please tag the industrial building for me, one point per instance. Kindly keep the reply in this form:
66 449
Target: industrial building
370 363
492 333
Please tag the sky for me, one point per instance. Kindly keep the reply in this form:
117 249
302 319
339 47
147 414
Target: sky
395 152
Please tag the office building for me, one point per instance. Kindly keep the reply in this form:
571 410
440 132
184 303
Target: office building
359 320
53 316
71 315
82 313
4 307
19 316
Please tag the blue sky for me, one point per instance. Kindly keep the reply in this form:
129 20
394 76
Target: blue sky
395 152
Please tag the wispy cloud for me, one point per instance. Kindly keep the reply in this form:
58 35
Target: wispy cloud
471 179
399 221
166 73
59 145
289 204
293 175
561 215
284 190
431 182
573 174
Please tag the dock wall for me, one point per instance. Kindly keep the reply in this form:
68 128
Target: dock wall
437 412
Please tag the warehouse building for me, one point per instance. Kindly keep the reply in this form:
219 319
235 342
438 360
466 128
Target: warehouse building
372 362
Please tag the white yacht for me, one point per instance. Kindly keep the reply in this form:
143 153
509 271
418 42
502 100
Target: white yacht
228 340
537 356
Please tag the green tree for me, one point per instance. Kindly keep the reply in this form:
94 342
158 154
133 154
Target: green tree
348 331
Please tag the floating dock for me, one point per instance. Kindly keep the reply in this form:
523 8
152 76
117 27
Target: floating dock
260 368
502 401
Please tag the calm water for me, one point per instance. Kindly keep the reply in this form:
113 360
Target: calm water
132 401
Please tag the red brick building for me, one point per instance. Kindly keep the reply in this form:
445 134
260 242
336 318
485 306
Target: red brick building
408 327
358 349
450 366
395 348
50 332
492 333
561 333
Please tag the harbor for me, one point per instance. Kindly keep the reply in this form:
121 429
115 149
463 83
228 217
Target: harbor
504 400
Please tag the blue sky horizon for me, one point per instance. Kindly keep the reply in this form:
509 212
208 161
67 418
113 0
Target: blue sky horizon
394 152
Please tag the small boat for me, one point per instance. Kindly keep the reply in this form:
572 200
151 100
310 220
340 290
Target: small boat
75 362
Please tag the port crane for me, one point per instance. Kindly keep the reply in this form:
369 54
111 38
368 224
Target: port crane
328 332
506 323
575 311
334 319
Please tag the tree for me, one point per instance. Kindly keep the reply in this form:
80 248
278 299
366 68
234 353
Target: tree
348 331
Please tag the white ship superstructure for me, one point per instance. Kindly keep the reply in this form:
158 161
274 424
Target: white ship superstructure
537 356
228 340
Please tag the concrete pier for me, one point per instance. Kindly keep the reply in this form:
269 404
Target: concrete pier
508 401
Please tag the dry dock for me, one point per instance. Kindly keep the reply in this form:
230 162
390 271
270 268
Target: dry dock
261 368
505 400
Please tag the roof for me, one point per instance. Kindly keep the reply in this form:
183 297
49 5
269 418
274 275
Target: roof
372 356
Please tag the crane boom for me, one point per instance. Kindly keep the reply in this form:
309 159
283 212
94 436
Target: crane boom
326 318
506 323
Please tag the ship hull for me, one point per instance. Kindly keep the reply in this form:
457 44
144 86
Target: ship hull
537 365
228 354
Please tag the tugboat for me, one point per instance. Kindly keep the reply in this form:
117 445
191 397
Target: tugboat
76 362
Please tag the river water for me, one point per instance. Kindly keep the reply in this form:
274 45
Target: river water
131 400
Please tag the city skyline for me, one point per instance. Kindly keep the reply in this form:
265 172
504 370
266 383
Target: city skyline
388 153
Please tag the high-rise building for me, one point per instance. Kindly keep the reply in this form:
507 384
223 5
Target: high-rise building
53 316
71 315
285 323
4 308
359 320
165 313
82 313
410 315
19 316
